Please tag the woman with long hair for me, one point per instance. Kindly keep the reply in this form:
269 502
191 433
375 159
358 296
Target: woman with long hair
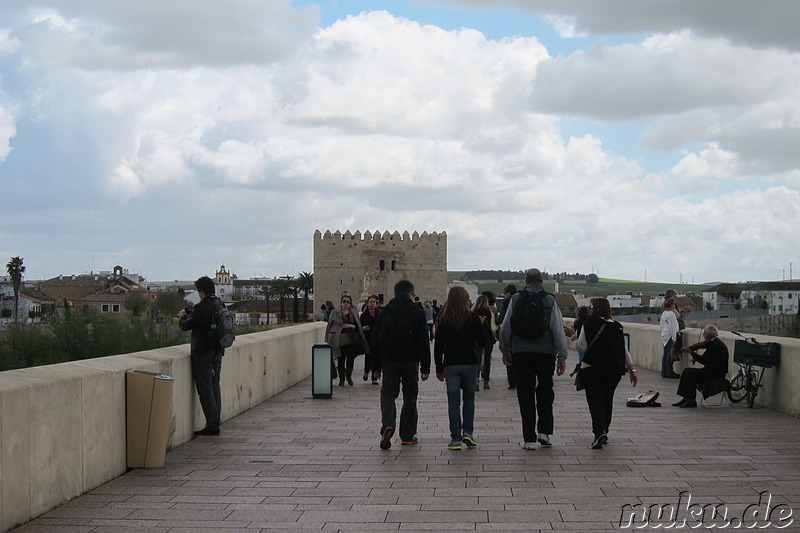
345 335
606 358
487 317
368 318
458 333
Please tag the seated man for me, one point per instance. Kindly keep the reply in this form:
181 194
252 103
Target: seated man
715 365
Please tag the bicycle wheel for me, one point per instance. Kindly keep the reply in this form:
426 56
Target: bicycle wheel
752 388
737 391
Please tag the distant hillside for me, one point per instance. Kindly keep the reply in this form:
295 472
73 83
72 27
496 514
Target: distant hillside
607 286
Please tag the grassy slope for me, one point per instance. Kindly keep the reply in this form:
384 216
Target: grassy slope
606 287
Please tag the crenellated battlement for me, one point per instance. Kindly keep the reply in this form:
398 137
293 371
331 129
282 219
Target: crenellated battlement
369 236
372 262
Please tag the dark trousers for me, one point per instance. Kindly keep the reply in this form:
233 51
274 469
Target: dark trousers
206 372
691 378
599 387
534 377
395 375
345 365
486 362
347 361
666 361
512 382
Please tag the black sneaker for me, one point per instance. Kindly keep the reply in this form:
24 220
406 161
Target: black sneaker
599 441
689 403
205 432
386 438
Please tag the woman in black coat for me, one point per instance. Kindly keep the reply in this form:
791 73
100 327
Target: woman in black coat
605 360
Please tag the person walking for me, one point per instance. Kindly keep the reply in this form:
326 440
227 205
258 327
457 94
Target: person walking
534 343
459 332
345 335
368 319
508 291
484 353
605 359
400 352
428 310
206 354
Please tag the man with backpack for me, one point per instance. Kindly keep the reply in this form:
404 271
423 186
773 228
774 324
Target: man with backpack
206 352
532 340
399 351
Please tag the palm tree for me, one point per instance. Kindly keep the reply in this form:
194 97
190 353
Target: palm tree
15 269
267 291
305 283
283 288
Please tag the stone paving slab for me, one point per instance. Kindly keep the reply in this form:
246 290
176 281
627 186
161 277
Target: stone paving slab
296 463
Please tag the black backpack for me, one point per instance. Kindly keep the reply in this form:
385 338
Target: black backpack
396 333
221 332
530 317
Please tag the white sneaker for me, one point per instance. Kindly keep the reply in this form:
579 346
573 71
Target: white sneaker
528 445
544 440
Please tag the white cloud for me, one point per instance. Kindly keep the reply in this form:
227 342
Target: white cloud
7 130
757 24
381 123
153 34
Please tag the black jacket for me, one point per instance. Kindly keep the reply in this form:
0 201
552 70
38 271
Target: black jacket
608 351
457 347
419 350
199 322
715 358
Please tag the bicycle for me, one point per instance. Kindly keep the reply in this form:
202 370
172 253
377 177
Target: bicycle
748 354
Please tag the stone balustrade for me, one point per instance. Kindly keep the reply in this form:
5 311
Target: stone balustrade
62 427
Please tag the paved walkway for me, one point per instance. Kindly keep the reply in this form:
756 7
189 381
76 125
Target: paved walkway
295 463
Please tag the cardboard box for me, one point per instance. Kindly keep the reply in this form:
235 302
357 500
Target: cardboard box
149 410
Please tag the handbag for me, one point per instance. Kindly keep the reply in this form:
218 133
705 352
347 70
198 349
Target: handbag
578 381
345 339
577 374
675 349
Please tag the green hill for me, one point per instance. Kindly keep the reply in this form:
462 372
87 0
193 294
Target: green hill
607 286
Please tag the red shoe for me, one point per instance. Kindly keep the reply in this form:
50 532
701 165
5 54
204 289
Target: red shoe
411 442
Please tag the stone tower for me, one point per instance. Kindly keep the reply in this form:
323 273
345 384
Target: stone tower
372 264
224 284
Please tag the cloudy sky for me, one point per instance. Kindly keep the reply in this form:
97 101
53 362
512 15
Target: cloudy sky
641 140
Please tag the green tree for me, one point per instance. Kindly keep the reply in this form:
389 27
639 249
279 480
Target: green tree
168 304
15 269
591 279
268 292
282 288
136 303
305 283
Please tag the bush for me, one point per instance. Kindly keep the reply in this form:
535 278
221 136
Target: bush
82 336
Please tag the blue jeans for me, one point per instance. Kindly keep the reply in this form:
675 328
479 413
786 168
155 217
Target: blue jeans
396 373
460 378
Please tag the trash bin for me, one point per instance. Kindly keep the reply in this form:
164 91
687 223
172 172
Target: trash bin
149 409
321 377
